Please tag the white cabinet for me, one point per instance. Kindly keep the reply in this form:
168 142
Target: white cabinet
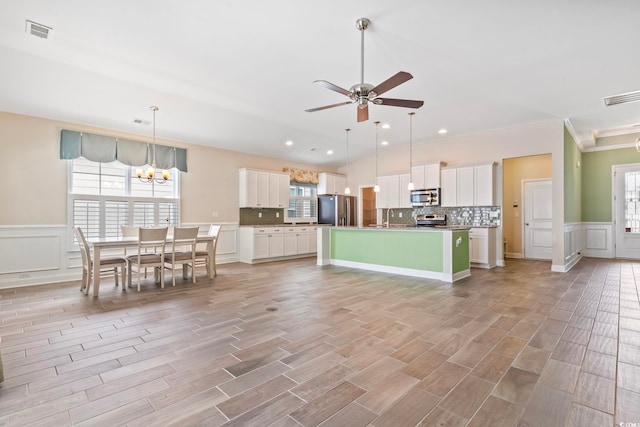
329 183
482 247
263 189
468 185
426 176
465 187
393 192
258 244
484 184
449 187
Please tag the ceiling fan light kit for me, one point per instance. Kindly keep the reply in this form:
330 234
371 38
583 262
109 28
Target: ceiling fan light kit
363 93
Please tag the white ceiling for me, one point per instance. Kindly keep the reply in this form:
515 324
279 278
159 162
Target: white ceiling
238 74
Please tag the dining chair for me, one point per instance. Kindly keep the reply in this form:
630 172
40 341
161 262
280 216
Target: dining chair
183 251
202 257
87 262
151 251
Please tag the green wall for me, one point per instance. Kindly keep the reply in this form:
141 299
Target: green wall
572 179
460 253
597 199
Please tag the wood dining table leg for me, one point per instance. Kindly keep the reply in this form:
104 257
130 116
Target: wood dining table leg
211 259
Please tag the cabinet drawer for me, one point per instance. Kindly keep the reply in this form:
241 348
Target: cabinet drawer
267 230
479 232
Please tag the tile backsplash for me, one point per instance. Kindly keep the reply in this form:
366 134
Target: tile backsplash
263 216
477 216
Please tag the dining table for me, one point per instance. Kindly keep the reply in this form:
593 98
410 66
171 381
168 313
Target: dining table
105 243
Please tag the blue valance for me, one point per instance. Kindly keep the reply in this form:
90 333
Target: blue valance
106 149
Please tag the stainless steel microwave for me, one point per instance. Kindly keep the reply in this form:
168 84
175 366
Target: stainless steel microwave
425 197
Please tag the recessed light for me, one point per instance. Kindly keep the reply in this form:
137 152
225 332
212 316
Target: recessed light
289 143
442 131
384 143
386 126
330 152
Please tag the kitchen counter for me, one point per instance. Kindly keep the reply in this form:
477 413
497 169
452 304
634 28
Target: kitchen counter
428 252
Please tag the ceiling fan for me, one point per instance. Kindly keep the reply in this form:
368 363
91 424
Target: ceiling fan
364 93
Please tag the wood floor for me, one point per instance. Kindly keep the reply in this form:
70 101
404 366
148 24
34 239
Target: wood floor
291 343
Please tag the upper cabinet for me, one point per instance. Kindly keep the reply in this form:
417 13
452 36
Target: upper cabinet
393 192
263 189
330 183
426 176
468 185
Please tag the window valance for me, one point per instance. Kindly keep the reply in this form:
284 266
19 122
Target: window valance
106 149
302 176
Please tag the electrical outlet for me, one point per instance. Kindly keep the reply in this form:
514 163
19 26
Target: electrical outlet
400 214
215 214
277 214
259 214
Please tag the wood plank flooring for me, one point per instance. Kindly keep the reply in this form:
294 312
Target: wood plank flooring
293 344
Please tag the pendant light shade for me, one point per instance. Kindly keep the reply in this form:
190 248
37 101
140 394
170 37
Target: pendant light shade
376 188
347 190
410 186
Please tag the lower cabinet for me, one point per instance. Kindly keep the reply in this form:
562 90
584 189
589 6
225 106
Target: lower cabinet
264 243
482 247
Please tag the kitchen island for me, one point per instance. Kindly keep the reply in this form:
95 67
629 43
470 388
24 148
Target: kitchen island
434 253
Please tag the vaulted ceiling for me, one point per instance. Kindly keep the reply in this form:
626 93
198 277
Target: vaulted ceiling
239 74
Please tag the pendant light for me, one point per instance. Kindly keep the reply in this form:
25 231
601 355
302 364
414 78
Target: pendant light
410 186
150 174
347 190
376 188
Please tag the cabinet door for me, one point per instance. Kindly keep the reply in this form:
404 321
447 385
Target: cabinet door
313 240
449 189
465 186
418 177
393 195
274 190
302 241
431 176
260 246
248 189
290 243
263 189
283 190
276 245
483 185
404 196
478 246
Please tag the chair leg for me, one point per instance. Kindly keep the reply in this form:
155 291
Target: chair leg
115 274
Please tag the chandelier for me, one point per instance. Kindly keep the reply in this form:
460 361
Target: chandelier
149 176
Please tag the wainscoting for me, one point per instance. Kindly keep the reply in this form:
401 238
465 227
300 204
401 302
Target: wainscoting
39 254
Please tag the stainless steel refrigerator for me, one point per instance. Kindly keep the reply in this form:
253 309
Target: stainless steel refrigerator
337 210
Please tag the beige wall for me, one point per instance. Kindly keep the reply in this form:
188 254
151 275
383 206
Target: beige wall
515 170
37 193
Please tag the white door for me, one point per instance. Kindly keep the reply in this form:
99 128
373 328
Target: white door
537 219
626 193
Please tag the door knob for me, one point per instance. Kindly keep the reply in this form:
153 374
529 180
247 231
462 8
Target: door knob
526 223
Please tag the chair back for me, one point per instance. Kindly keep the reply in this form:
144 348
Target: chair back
85 251
214 231
185 236
152 238
129 231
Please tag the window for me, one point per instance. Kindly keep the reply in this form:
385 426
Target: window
632 202
303 203
104 196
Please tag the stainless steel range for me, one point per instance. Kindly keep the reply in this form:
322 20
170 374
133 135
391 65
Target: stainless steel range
431 220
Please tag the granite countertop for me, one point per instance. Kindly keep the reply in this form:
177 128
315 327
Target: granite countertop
284 225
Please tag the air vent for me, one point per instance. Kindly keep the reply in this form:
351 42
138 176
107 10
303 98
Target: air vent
141 122
38 30
623 98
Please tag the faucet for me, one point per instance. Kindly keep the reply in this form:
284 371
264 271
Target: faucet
388 216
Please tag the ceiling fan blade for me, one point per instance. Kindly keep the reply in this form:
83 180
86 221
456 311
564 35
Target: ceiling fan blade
407 103
363 113
311 110
392 82
333 87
